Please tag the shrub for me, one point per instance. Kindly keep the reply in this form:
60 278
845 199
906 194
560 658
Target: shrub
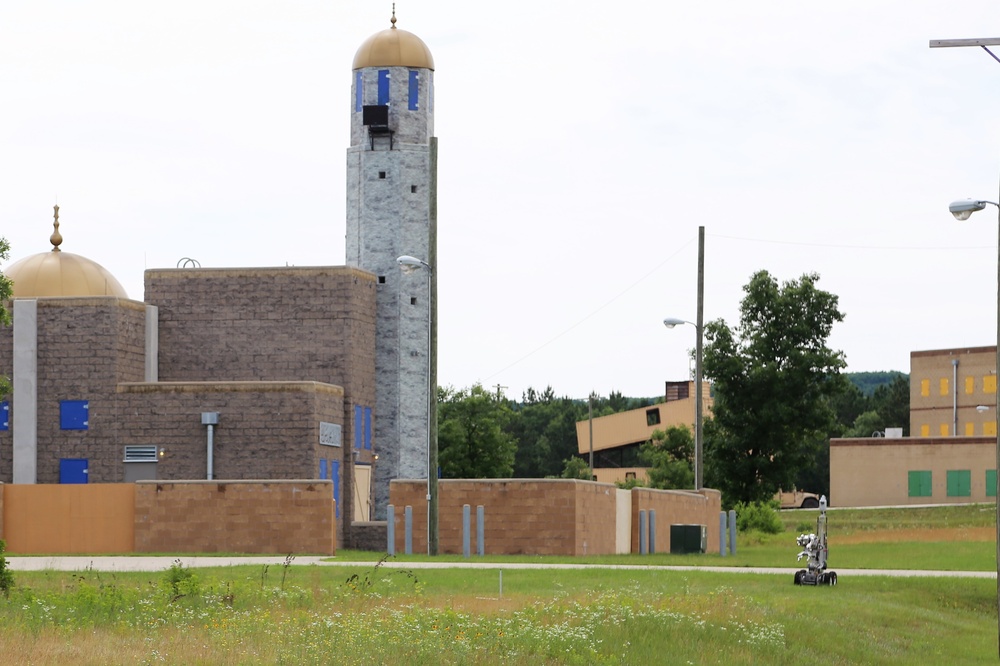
6 575
758 516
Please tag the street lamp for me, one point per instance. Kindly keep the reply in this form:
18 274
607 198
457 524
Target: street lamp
962 210
409 265
670 322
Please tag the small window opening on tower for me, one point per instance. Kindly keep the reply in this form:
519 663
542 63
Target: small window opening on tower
413 300
413 189
381 174
381 279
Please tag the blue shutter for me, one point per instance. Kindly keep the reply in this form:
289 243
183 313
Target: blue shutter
383 87
358 91
358 425
322 468
5 415
74 414
368 428
414 90
335 476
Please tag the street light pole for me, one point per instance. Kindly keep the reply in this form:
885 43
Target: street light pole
409 264
962 210
670 322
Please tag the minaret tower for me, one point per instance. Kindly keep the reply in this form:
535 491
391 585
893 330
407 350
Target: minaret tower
391 212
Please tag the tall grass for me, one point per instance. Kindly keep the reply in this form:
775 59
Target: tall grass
370 615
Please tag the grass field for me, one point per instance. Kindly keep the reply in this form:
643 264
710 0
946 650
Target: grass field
373 615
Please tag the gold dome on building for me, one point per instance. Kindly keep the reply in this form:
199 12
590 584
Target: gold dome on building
57 273
393 48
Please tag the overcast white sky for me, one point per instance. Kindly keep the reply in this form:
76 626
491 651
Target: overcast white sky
581 145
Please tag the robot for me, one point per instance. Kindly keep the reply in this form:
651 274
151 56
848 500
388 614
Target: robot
814 548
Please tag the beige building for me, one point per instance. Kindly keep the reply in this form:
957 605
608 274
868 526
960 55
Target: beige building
617 437
950 456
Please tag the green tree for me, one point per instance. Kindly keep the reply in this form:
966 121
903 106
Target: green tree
6 291
892 402
544 428
576 468
669 454
773 379
472 443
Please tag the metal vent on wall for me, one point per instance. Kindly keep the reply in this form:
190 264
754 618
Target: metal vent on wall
140 454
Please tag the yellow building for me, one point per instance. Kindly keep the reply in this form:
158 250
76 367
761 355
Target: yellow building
950 456
617 437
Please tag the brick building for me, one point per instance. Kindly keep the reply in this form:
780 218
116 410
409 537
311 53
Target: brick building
108 389
951 453
249 373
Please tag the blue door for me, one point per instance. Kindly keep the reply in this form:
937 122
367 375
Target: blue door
73 470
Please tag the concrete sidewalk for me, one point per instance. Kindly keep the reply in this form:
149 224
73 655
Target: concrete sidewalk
141 563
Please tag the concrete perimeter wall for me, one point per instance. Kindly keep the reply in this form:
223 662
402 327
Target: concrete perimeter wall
181 516
546 516
57 519
677 507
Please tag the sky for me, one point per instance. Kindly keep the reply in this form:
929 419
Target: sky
581 146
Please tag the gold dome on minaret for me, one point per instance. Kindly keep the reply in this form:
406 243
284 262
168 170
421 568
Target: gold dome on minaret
61 274
393 48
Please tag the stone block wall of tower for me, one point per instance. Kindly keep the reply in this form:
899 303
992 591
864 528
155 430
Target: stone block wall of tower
389 203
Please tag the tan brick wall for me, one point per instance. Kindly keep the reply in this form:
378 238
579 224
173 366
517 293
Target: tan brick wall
235 517
677 507
57 519
536 517
545 516
875 471
934 392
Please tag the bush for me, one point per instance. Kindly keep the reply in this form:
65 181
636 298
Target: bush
759 517
6 575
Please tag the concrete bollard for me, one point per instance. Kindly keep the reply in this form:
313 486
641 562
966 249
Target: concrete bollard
408 519
732 532
466 530
390 530
480 530
642 532
652 531
722 533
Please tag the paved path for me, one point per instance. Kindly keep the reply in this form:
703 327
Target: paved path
141 563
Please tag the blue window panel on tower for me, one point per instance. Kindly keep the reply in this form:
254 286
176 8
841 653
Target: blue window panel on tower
335 477
414 90
358 91
383 87
322 468
368 428
5 415
358 425
74 414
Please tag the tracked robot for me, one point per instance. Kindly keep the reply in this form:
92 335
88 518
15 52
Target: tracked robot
814 548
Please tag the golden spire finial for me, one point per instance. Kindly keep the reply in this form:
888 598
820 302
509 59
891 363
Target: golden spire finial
393 21
56 237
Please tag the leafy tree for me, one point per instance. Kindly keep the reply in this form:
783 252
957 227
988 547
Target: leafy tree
6 291
892 402
544 428
669 454
472 443
577 468
773 379
866 425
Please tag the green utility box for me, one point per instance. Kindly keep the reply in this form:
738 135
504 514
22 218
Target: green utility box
688 539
